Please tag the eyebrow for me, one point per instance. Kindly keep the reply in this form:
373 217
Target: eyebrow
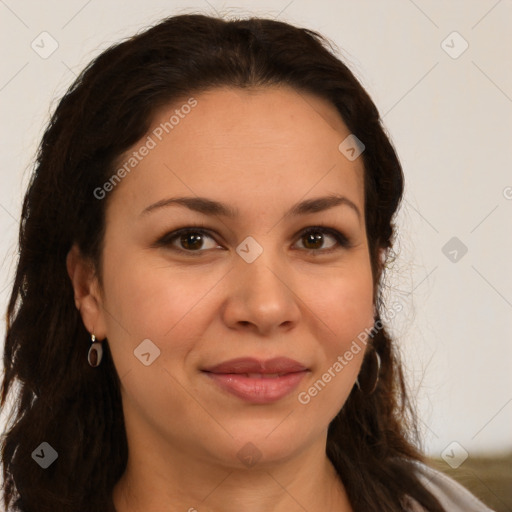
210 207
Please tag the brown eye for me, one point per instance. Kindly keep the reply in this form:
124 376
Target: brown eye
314 239
189 240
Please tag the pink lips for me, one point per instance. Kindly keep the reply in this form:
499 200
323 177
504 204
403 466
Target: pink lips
256 381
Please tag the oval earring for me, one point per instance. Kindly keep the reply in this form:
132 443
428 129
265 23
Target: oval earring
95 352
370 378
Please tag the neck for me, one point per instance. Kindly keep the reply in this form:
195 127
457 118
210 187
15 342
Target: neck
307 481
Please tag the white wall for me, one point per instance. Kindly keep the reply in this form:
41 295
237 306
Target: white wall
451 121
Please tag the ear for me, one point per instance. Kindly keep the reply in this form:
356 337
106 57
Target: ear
88 297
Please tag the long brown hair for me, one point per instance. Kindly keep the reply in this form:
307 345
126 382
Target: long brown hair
373 442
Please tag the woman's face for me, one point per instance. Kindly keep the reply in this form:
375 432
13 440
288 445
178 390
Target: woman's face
252 285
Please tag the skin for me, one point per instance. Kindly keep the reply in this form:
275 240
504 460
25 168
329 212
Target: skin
260 151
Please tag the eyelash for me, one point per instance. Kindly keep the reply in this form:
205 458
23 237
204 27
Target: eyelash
165 241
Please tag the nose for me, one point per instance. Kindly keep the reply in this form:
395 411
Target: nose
261 297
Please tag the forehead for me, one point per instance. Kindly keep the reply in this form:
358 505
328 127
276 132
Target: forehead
243 146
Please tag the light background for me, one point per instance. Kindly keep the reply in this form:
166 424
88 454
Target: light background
451 122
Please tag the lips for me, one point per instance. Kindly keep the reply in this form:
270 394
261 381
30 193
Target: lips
276 366
255 381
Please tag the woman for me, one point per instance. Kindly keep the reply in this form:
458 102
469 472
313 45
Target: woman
197 320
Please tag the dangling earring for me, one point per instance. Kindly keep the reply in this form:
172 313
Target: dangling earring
95 352
370 378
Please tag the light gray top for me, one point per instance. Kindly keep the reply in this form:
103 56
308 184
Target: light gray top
452 495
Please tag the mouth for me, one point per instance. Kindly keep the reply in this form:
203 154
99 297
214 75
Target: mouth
249 365
257 381
259 375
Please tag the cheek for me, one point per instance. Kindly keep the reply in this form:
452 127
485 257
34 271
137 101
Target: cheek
152 301
342 303
343 316
163 303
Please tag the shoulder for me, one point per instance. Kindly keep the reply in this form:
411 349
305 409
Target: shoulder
452 495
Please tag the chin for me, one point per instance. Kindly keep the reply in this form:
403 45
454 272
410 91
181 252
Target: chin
261 445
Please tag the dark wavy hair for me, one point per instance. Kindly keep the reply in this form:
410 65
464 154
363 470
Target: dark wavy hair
373 442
